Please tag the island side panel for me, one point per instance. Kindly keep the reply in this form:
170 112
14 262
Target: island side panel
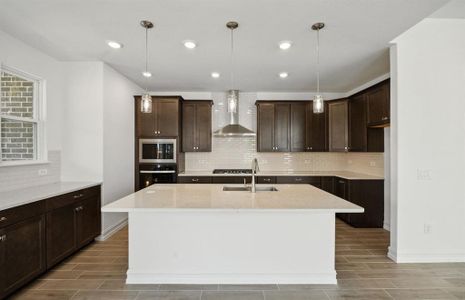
232 247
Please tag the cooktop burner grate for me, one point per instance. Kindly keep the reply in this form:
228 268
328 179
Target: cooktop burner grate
232 171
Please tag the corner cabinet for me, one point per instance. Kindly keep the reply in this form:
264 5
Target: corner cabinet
36 236
338 126
273 126
197 126
163 121
378 104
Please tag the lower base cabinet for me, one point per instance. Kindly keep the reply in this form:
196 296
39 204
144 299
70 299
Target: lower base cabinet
35 237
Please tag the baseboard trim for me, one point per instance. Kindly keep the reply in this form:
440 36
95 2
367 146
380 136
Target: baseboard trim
157 278
112 230
426 257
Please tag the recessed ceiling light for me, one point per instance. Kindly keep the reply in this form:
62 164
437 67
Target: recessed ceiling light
215 75
190 44
114 45
147 74
284 45
283 74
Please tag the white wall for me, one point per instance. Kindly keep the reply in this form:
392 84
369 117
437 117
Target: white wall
118 141
82 126
428 142
19 55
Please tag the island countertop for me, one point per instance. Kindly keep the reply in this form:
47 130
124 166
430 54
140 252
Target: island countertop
207 197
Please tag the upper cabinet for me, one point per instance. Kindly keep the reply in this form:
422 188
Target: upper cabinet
163 121
357 124
273 126
298 127
378 104
316 130
338 126
197 126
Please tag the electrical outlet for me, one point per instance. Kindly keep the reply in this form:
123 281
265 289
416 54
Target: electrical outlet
424 174
43 172
372 163
427 228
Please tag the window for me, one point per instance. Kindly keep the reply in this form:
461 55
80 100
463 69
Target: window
20 117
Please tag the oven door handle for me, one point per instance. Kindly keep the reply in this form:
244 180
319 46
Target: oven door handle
157 172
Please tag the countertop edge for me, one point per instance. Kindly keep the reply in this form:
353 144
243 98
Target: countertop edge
78 186
236 210
354 176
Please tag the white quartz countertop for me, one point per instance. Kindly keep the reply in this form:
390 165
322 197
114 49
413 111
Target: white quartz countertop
342 174
23 196
208 197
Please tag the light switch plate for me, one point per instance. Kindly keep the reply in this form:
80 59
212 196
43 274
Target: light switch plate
42 172
424 174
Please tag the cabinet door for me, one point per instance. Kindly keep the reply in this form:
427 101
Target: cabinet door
341 190
194 179
316 130
145 122
167 117
298 114
357 124
265 127
378 105
88 221
23 247
281 127
338 126
232 179
2 263
188 127
203 125
61 233
327 184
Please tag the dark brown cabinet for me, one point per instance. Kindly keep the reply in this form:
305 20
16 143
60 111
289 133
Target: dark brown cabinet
327 184
315 130
298 127
357 124
273 123
338 126
163 121
265 179
196 126
313 180
378 104
194 179
22 253
232 179
73 222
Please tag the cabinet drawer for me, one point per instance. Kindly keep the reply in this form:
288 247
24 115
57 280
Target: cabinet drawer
265 179
17 214
194 179
299 179
73 197
232 179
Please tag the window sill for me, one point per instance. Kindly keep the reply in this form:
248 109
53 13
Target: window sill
23 163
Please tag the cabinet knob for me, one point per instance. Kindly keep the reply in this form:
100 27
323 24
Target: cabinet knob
3 219
3 238
311 148
78 196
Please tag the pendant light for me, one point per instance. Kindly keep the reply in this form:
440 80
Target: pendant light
146 99
318 101
232 95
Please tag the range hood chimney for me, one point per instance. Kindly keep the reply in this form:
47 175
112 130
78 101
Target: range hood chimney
233 129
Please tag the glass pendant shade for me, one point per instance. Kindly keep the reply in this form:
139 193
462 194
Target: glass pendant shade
318 104
146 103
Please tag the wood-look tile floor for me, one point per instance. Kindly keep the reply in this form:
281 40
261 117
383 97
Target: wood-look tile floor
364 272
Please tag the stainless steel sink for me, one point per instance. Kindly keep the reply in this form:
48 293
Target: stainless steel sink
249 189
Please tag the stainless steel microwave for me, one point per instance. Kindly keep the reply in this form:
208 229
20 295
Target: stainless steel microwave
157 151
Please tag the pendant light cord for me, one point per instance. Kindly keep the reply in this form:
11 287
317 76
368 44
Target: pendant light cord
318 61
232 60
146 57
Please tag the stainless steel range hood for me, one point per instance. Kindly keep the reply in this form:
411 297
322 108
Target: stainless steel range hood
233 129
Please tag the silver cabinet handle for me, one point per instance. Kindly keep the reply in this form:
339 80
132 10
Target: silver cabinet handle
298 179
79 208
78 196
3 219
3 238
342 181
267 179
157 172
195 179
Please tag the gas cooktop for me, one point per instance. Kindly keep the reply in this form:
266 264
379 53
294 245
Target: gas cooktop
232 171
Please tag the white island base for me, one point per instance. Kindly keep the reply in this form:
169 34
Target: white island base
198 234
231 247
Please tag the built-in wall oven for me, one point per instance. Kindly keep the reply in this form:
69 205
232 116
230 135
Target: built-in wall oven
156 173
157 151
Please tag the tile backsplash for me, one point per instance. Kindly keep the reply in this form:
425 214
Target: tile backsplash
239 152
17 177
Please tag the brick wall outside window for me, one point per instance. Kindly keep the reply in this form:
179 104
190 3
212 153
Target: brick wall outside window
17 99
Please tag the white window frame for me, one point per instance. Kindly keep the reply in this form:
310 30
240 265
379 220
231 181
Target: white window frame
38 118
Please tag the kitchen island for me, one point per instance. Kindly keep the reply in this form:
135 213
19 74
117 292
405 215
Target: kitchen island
200 234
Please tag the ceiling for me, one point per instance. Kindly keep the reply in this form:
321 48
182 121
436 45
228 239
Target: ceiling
354 43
